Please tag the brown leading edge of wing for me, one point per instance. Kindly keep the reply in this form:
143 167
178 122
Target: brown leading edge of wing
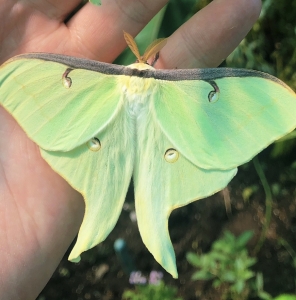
170 75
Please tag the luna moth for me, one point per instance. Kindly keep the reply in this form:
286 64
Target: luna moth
180 134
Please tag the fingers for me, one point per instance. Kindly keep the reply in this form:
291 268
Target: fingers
33 25
210 35
94 32
98 30
53 9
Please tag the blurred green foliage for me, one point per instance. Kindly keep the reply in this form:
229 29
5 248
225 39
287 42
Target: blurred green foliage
151 292
285 297
227 264
95 2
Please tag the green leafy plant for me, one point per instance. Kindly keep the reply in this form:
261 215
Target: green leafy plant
151 292
227 265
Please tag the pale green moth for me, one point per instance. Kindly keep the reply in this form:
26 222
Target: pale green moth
179 133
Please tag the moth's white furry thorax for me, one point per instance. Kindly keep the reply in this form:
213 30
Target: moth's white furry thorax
137 89
140 66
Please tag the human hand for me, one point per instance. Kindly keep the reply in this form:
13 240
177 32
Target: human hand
40 213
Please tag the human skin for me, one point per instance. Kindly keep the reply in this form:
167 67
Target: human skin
40 214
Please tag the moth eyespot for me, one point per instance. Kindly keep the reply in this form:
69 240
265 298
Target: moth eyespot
94 144
214 95
171 155
67 81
